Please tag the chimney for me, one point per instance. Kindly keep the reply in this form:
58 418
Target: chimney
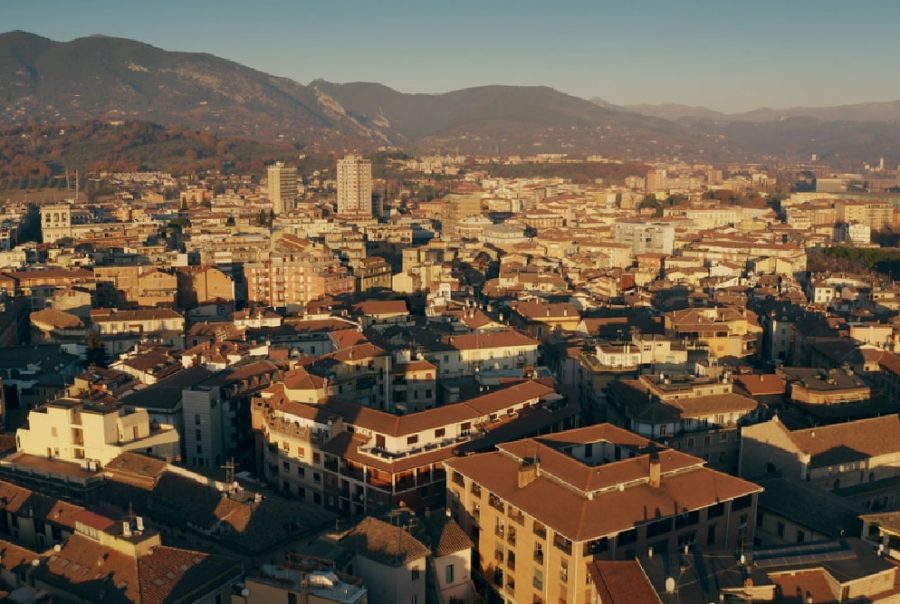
655 470
528 472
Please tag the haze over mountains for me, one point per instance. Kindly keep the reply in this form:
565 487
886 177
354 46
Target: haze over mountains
888 111
116 79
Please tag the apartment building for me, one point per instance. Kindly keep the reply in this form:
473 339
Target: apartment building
541 509
216 413
82 432
135 285
539 319
282 187
863 454
454 209
354 186
645 237
724 330
199 285
468 354
355 459
372 273
695 414
294 280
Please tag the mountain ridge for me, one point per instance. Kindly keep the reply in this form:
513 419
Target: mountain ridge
116 79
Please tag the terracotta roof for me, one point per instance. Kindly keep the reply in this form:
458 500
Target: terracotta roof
56 319
13 557
382 307
760 384
622 582
849 441
19 500
383 542
495 339
813 586
685 485
86 569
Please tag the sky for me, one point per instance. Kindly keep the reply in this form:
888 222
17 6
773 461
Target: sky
729 55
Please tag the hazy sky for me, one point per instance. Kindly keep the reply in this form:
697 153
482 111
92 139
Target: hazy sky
728 55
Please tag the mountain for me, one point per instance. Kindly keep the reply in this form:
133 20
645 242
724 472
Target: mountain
117 79
509 118
107 78
888 111
676 112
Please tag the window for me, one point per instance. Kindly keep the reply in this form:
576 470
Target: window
564 570
411 440
285 466
801 536
439 433
199 449
589 450
448 574
317 477
196 419
741 502
198 435
538 578
660 527
301 471
711 535
779 529
714 511
415 573
626 537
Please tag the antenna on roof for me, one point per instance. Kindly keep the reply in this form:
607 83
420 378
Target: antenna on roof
229 471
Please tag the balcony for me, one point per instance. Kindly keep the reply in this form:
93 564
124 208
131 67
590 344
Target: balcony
511 536
517 516
562 544
496 503
540 530
539 556
350 471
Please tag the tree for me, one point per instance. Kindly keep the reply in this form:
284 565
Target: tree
96 351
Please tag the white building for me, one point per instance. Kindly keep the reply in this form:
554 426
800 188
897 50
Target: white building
645 237
79 431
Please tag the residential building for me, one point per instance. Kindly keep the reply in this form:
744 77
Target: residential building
354 186
542 509
85 432
282 187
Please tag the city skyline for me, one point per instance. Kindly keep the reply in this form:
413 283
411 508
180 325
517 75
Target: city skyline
802 54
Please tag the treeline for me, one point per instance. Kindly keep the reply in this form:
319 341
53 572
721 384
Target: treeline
31 155
581 172
859 259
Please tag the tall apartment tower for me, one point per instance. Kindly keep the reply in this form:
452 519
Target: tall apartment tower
354 185
282 187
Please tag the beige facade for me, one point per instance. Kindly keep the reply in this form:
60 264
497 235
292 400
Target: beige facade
78 431
282 187
540 510
354 186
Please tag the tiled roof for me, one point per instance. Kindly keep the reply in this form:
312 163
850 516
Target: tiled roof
622 582
685 485
383 542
